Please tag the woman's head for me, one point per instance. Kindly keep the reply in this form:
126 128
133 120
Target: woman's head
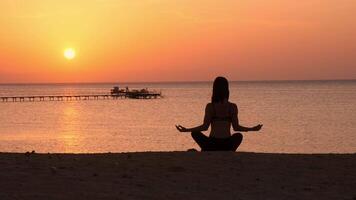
220 90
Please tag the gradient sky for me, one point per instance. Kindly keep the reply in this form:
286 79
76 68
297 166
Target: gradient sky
176 40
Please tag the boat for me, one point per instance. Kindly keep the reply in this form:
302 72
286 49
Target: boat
135 93
116 91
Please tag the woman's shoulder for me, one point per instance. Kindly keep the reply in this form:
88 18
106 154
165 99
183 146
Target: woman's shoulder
233 106
209 108
229 103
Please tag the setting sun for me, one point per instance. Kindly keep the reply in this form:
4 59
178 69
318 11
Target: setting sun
153 41
69 53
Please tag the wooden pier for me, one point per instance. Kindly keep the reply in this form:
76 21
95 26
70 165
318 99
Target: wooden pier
121 95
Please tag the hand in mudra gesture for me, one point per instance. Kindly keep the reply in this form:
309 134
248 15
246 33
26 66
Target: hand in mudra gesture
257 128
181 128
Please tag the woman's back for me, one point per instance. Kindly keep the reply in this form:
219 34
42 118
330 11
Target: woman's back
221 115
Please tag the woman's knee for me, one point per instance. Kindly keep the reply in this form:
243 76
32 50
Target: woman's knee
237 136
199 137
195 134
236 141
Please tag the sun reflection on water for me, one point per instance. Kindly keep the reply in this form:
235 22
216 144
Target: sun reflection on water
70 136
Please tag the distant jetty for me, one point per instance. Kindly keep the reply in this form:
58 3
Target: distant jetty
115 93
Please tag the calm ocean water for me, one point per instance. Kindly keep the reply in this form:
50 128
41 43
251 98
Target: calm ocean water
298 117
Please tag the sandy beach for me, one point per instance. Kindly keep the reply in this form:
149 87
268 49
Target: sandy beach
177 175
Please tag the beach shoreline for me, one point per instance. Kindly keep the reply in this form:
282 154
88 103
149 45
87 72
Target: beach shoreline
177 175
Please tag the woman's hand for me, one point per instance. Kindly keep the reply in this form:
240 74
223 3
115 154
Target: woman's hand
181 128
257 128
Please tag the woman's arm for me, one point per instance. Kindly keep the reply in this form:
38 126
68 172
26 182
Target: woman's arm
203 127
235 122
246 129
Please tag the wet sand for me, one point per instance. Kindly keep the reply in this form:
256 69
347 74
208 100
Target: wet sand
177 175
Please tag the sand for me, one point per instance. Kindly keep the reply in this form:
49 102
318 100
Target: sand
177 175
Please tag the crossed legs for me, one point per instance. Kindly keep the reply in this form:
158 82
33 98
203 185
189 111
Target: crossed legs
216 144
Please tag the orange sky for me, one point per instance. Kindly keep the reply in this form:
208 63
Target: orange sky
176 40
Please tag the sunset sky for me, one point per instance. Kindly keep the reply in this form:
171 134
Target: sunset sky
176 40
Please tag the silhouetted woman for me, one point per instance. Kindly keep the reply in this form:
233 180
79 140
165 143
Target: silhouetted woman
220 114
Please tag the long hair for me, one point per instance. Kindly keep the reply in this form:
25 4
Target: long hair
220 90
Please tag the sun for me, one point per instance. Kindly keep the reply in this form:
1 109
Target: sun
69 53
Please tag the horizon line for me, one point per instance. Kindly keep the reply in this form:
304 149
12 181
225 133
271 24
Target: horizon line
173 81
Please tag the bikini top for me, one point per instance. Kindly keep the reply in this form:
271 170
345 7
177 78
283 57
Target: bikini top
225 118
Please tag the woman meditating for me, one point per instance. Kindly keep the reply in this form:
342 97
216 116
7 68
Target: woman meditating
221 114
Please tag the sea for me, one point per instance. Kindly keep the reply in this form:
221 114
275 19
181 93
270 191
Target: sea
297 117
